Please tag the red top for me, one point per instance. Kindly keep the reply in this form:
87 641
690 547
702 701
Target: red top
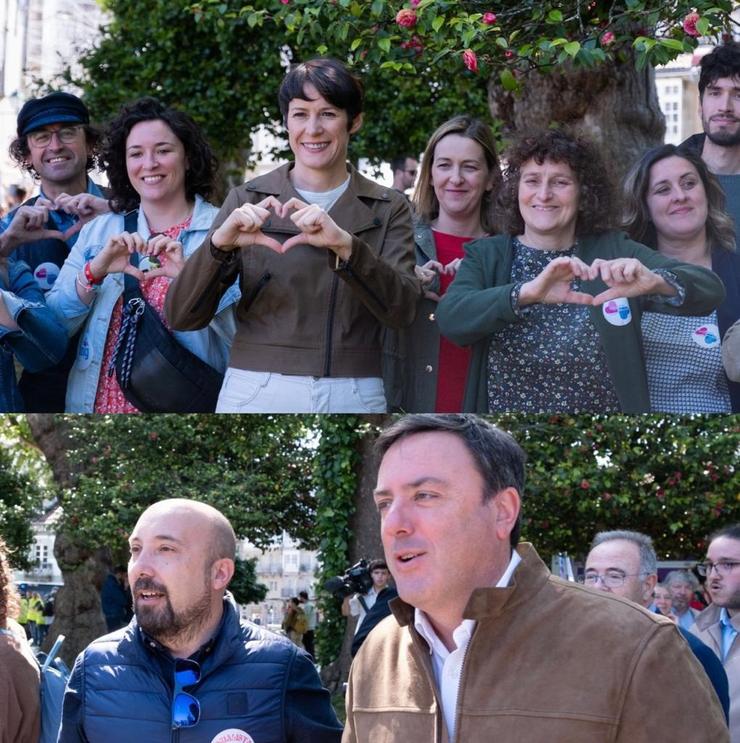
452 366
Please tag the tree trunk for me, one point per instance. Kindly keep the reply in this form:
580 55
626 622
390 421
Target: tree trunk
615 105
364 530
77 610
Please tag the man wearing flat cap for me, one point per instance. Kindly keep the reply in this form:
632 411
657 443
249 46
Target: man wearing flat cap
57 145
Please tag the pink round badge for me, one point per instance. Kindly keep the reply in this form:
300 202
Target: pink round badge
233 735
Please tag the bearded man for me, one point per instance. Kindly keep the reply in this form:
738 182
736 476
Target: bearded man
186 667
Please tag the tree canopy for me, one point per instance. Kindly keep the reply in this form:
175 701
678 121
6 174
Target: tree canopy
224 66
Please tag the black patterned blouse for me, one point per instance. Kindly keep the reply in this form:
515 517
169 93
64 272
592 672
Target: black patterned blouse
551 360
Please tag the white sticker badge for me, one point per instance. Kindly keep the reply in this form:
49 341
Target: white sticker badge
45 275
706 336
617 311
233 735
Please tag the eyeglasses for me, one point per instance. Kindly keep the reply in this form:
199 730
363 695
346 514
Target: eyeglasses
611 579
65 134
723 567
185 707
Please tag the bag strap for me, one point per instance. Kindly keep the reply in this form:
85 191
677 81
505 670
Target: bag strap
131 288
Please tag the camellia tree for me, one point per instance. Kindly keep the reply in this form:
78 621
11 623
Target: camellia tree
574 62
224 67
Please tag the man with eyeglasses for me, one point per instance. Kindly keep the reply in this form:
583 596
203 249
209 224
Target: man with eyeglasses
57 145
623 563
484 643
404 169
186 668
719 623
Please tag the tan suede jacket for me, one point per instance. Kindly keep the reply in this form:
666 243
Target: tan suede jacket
548 662
302 313
707 628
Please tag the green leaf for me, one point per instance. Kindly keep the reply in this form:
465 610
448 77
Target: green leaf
672 44
438 22
703 25
384 44
508 80
572 48
554 16
355 43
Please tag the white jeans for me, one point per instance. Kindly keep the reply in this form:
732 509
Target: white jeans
267 392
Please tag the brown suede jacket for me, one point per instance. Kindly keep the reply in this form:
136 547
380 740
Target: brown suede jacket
302 313
548 662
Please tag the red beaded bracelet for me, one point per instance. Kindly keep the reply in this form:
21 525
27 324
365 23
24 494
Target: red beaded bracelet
89 275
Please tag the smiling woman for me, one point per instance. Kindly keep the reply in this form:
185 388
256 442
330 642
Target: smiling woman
161 169
324 260
552 310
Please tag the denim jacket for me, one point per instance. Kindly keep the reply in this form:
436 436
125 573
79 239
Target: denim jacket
39 341
211 344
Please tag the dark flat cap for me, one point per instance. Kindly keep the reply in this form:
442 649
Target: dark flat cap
55 108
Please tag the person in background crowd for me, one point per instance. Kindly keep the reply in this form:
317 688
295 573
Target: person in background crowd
115 599
58 146
325 260
674 204
360 604
15 195
295 621
161 167
624 564
453 201
30 334
553 307
662 601
719 623
683 586
309 609
186 667
20 720
404 169
485 644
35 616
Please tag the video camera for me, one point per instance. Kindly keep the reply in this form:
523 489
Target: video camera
356 579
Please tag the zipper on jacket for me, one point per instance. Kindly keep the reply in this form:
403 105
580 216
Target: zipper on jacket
460 680
255 290
330 324
365 287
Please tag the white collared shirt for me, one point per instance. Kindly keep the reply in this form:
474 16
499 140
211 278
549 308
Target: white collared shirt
448 664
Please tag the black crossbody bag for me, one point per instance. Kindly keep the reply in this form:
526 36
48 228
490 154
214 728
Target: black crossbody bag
155 372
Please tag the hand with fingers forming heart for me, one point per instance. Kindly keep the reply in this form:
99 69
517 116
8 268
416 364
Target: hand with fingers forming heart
166 257
627 277
84 206
115 256
243 227
554 284
317 229
426 274
28 225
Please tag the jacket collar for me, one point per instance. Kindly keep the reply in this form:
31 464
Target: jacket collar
350 211
424 240
530 576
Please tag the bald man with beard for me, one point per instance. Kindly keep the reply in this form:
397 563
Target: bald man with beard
186 668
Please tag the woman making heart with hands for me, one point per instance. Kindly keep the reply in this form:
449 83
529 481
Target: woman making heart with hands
552 309
160 169
324 259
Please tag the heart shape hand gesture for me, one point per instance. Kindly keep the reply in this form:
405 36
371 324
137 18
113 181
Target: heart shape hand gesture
625 277
243 228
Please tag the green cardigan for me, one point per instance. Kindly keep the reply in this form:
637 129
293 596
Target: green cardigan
477 305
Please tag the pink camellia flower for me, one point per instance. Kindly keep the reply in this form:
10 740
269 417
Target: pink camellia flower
489 18
406 18
607 38
414 44
508 54
689 24
470 60
284 2
414 3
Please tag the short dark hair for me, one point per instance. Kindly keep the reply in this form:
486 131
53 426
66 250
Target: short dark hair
722 61
595 201
303 595
399 162
331 78
497 456
732 531
377 565
20 152
202 163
